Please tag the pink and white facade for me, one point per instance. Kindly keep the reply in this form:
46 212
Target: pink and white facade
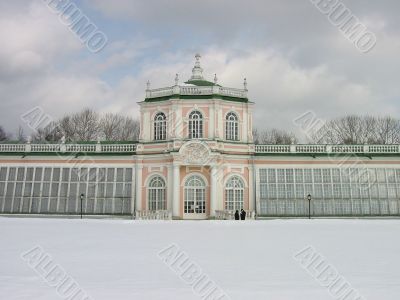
195 139
196 159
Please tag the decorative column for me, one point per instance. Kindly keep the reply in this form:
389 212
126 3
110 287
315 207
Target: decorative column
170 189
138 187
250 184
176 192
214 189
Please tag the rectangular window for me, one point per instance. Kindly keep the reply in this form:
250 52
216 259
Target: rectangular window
93 175
391 175
308 176
300 191
56 174
326 176
110 175
271 176
299 176
318 176
29 174
120 175
336 175
281 191
289 176
128 175
281 175
354 176
11 174
74 175
328 191
263 175
290 191
345 175
3 174
47 174
380 174
21 174
38 174
318 191
65 175
271 191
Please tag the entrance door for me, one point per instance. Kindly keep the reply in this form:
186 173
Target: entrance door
195 198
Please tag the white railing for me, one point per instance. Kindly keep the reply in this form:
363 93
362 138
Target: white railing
118 148
196 91
153 215
67 148
230 215
328 149
272 149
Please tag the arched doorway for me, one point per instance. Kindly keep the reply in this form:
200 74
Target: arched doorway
234 194
195 198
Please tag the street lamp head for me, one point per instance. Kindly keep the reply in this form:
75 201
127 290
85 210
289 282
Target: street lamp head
82 195
309 197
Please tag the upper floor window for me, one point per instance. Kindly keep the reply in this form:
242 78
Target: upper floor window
160 127
232 127
195 125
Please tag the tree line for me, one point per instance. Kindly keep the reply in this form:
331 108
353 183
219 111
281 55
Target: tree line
83 126
89 125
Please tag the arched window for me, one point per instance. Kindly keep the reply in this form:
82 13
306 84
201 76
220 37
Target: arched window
234 191
195 125
156 194
232 127
195 195
160 127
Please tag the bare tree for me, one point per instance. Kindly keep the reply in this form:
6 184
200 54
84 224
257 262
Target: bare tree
87 125
21 135
355 129
130 130
4 136
274 137
110 126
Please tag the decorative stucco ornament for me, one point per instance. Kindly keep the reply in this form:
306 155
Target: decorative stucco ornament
195 153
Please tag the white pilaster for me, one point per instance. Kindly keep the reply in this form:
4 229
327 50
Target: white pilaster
245 126
211 124
213 192
176 192
170 195
251 188
138 187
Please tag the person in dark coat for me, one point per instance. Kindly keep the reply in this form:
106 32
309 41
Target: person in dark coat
242 215
237 215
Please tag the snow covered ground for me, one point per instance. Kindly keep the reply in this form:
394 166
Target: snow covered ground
118 259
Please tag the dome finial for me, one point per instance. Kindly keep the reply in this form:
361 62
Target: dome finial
197 72
245 84
176 79
148 85
215 79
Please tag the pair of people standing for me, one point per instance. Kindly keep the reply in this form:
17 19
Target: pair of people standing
241 216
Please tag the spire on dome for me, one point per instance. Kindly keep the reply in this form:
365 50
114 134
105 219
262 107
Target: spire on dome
197 72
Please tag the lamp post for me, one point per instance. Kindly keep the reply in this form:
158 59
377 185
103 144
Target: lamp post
309 206
82 195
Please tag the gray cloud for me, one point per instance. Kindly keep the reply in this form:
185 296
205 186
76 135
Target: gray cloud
295 60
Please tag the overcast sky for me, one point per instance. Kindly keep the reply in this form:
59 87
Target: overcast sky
294 59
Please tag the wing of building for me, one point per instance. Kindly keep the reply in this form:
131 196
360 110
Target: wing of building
196 160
